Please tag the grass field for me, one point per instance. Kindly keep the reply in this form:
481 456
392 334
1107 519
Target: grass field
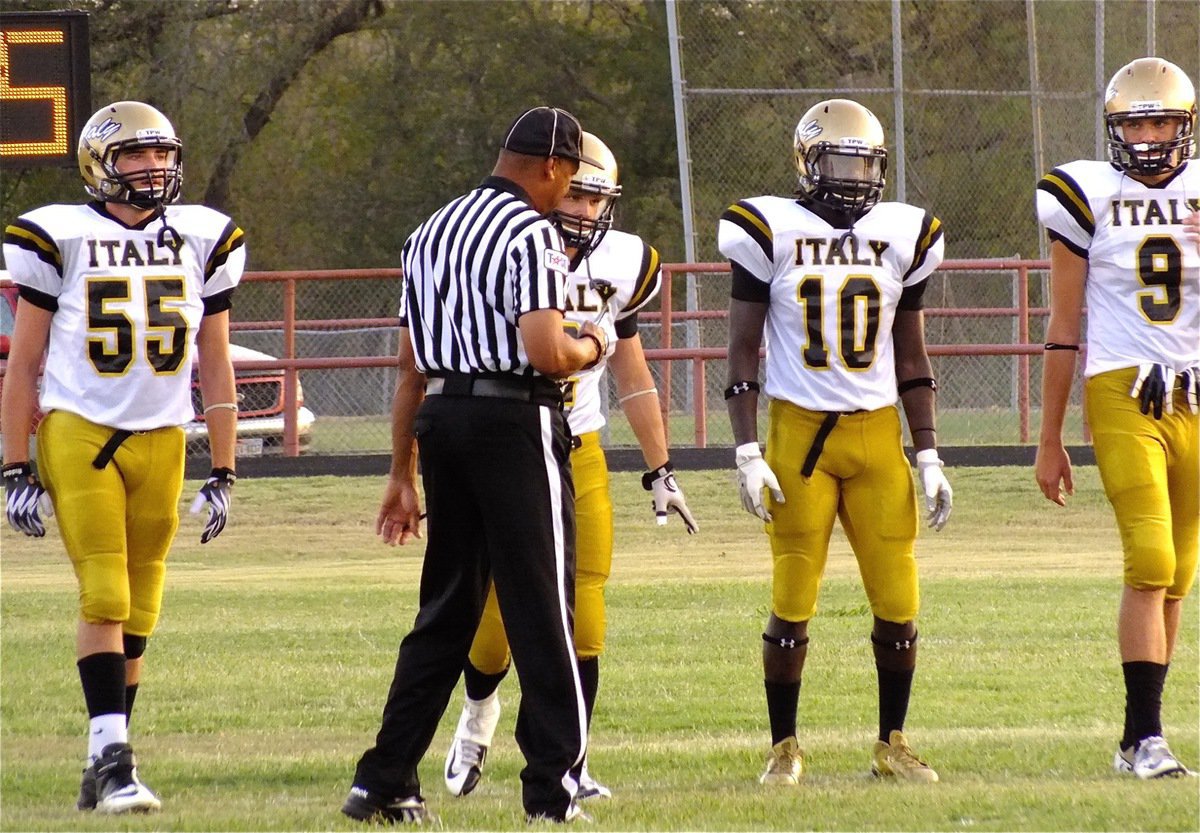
265 679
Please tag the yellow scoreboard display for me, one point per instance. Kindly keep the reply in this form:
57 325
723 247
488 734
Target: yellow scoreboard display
45 87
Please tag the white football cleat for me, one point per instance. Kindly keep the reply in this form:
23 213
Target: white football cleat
1153 759
468 751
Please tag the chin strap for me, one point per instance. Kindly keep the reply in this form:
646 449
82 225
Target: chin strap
167 235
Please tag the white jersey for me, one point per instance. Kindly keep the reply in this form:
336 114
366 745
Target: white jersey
833 295
126 309
632 267
1143 276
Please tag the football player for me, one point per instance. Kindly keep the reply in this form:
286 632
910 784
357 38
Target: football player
613 275
127 291
1119 244
835 277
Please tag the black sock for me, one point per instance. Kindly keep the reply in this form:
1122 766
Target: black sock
783 699
103 679
479 685
1143 700
589 676
130 694
894 689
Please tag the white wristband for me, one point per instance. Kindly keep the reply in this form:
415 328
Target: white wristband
929 455
232 406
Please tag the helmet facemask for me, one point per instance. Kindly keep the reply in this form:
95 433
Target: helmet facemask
844 176
147 188
580 231
1149 158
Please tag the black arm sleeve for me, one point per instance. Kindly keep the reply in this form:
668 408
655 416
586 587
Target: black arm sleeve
745 287
912 298
219 302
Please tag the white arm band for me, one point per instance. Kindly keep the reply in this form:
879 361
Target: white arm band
622 400
232 406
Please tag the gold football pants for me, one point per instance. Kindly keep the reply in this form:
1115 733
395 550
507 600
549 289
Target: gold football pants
117 523
861 477
1151 474
593 563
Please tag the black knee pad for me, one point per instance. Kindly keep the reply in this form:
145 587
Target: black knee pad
135 646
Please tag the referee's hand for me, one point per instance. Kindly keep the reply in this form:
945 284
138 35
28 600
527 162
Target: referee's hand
399 518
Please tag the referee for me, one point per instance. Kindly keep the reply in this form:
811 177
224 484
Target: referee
481 342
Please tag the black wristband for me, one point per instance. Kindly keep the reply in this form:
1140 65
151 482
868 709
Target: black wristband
599 350
920 382
738 388
1054 345
223 475
649 477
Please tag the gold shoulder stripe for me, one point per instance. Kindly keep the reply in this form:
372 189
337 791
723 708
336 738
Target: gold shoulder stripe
748 219
26 235
1066 190
649 281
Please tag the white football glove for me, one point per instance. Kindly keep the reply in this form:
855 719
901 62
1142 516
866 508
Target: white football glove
1190 379
217 493
939 497
754 475
1155 387
25 500
668 497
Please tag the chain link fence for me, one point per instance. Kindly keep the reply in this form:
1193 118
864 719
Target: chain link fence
977 100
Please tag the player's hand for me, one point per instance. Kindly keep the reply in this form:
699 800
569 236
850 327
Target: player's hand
1052 471
25 499
668 497
399 519
754 475
939 497
1155 388
598 332
1191 228
1190 381
217 492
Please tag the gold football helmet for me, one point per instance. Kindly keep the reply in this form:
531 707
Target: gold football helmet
1150 88
581 232
840 155
120 127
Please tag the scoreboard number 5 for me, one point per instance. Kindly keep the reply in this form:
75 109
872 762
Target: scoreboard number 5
45 87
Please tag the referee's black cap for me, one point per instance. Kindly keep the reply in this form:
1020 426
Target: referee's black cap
547 131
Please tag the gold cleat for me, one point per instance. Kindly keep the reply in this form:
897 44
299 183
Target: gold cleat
785 764
895 759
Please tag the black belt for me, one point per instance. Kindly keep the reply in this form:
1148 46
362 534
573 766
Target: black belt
818 443
110 448
536 389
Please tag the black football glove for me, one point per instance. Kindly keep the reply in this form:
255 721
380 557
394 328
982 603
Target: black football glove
25 499
1155 389
217 493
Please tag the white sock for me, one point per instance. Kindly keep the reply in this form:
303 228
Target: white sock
103 730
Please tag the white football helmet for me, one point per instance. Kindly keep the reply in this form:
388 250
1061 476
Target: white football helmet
585 233
117 128
840 155
1150 88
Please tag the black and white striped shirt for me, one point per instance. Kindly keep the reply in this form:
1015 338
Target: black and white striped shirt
470 271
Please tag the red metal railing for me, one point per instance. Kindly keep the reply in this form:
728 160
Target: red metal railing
666 353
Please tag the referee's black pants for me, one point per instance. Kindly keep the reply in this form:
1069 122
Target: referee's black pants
501 506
